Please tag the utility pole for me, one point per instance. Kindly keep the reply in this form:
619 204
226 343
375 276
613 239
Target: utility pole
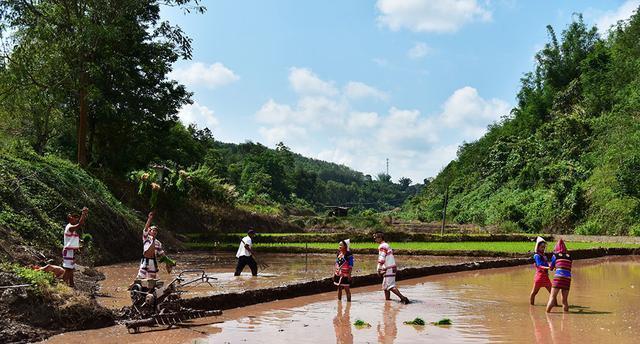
387 166
444 209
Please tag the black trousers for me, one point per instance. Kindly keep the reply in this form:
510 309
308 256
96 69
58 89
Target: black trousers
246 260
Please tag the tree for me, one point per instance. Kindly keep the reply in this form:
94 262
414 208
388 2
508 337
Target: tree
112 59
404 183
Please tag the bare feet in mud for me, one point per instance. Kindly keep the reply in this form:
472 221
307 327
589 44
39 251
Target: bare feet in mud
405 300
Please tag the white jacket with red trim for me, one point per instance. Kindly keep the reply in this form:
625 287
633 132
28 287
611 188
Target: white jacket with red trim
71 238
385 257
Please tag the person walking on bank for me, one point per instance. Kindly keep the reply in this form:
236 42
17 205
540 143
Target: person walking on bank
245 255
387 269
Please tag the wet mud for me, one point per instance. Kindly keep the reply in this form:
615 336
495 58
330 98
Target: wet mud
284 269
484 305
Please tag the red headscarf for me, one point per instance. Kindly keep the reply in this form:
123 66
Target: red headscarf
560 247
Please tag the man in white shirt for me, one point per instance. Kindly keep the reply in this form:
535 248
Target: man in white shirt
245 255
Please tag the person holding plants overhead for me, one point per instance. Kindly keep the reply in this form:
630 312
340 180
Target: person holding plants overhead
72 244
344 265
152 249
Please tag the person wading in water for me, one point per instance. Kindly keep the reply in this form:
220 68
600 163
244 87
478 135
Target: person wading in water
387 269
245 255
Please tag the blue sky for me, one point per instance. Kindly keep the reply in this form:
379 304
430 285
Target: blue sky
356 82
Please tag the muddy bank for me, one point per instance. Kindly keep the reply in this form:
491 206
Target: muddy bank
33 313
250 297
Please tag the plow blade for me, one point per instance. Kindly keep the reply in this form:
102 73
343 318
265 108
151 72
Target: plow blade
169 319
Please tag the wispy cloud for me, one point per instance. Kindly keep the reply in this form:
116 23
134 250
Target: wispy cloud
418 51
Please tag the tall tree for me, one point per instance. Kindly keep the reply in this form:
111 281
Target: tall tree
113 57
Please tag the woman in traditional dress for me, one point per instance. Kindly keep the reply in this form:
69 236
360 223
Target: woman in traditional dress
542 266
344 266
562 278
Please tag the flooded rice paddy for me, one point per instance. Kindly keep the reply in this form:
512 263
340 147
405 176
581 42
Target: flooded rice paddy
484 306
283 269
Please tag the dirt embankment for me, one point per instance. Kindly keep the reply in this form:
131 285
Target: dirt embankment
29 314
250 297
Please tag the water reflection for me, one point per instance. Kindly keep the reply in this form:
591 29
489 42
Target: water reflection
388 332
342 324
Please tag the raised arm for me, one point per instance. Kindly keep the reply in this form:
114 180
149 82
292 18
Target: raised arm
149 220
83 217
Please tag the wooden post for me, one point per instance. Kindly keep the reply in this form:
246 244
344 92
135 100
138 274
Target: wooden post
444 209
306 256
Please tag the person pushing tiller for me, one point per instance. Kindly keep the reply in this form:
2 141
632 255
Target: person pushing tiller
246 255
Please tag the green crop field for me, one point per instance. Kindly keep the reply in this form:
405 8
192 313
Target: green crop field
499 246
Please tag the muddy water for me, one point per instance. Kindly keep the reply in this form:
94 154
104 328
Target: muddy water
484 306
283 269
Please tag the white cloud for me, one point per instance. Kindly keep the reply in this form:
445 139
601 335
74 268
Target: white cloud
357 90
406 128
334 128
199 74
418 51
304 81
430 15
467 111
199 115
272 112
362 120
284 133
605 20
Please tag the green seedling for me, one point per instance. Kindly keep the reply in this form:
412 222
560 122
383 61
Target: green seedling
416 321
361 323
441 322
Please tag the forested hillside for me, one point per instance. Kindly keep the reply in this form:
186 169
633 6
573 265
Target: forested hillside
567 156
88 82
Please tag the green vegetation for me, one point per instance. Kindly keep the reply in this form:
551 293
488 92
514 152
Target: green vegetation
361 323
566 156
89 82
39 280
417 321
500 246
36 194
444 321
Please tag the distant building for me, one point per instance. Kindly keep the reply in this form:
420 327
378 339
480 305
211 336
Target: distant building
338 211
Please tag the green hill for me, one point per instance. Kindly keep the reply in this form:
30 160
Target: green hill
566 158
36 194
